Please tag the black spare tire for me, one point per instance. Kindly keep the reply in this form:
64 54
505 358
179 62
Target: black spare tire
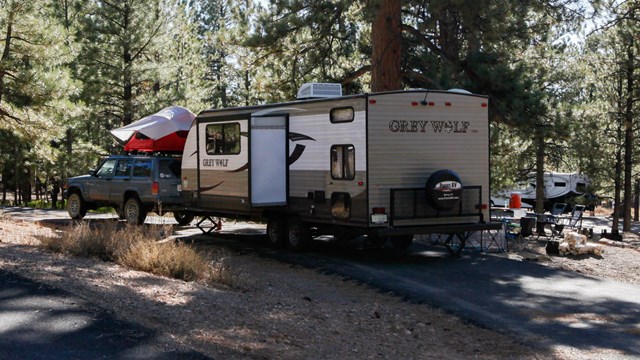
444 190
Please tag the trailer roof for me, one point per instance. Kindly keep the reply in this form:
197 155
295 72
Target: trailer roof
345 97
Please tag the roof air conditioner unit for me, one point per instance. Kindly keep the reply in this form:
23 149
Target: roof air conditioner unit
319 91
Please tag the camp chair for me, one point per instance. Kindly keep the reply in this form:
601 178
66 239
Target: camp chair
573 221
526 231
558 209
556 212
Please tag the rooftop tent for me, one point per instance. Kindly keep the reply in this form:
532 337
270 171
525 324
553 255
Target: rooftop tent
165 131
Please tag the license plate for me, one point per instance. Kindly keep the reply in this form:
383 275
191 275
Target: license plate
179 188
379 218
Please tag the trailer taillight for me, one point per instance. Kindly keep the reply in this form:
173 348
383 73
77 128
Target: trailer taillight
155 188
482 206
484 105
379 210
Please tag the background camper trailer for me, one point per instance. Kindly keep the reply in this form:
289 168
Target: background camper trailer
387 165
558 188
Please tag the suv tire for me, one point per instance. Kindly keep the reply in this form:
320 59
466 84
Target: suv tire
134 212
76 206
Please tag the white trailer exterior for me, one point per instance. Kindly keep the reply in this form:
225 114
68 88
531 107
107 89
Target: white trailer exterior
346 165
558 188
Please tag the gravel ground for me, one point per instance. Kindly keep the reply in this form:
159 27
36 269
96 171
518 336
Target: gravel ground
286 312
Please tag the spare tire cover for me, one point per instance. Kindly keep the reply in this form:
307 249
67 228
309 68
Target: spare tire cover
444 190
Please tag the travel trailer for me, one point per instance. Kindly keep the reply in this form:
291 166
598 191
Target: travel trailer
558 188
388 165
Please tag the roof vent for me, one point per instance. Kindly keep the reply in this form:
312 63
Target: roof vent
319 91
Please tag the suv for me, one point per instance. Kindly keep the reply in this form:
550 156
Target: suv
132 185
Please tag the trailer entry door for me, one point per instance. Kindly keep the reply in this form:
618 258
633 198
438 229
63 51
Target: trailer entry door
268 174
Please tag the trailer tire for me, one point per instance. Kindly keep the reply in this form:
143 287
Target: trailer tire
444 190
276 231
298 235
134 211
76 206
183 218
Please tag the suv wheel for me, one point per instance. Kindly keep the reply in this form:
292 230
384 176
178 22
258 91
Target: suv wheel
134 212
76 206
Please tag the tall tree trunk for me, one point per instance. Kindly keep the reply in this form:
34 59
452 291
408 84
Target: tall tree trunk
6 52
540 189
616 192
628 140
386 36
127 116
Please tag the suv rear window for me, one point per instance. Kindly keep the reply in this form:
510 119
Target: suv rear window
142 168
169 169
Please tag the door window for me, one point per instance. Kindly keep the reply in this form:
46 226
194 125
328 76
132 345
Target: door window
107 169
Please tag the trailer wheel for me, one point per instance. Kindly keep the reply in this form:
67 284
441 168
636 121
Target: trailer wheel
134 212
402 242
183 218
276 231
76 206
298 235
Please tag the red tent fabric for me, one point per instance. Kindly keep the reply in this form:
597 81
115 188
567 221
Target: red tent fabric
173 142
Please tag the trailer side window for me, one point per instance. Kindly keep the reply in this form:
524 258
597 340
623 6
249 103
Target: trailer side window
341 205
343 162
223 139
342 114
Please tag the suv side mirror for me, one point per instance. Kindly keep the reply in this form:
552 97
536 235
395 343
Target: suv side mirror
92 173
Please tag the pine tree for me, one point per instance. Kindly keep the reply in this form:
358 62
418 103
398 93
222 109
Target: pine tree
137 57
34 87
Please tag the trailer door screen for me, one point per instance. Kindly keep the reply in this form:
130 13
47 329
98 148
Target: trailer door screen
268 161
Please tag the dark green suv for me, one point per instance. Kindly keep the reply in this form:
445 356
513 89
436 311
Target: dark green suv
132 185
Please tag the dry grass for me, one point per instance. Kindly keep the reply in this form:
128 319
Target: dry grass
143 248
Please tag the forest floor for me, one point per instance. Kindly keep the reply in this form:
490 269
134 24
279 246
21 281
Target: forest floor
284 311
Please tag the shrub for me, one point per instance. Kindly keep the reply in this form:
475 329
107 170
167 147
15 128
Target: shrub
143 248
